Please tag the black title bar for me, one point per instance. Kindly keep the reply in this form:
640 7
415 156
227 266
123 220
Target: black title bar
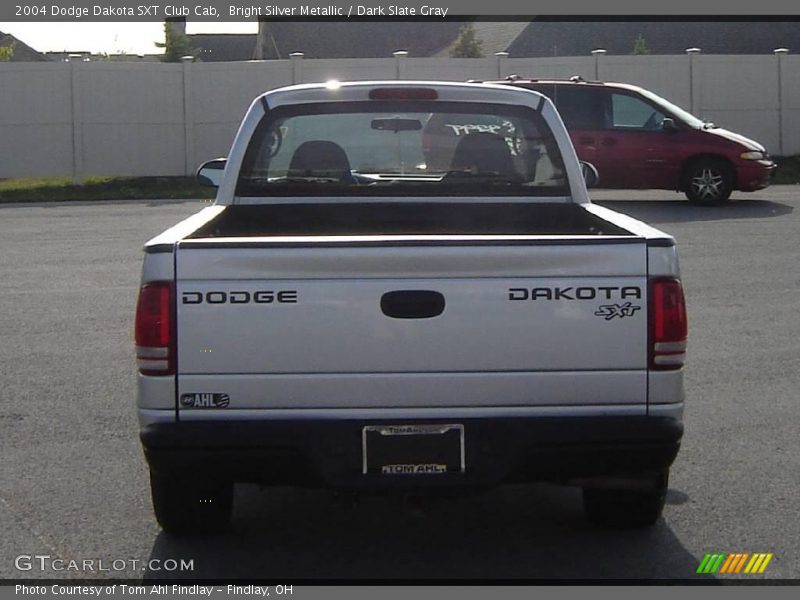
243 10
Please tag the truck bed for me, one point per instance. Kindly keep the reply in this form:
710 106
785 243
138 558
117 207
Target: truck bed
420 218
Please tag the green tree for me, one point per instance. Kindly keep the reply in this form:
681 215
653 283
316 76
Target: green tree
6 52
467 46
640 46
176 44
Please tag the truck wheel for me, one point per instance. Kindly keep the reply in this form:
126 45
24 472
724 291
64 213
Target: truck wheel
187 505
627 509
709 181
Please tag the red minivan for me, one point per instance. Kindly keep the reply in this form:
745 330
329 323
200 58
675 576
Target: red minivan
636 139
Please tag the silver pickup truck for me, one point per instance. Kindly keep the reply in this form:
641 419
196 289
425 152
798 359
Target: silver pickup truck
375 304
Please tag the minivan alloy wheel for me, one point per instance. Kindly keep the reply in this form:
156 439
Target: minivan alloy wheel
709 182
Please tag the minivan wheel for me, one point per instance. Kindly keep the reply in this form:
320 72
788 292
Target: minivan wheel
627 509
186 506
709 181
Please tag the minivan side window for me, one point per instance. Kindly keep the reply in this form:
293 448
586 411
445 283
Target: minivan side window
631 113
581 108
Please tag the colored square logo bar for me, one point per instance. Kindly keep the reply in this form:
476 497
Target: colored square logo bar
734 563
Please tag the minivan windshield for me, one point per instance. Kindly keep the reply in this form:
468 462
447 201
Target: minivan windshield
409 148
677 111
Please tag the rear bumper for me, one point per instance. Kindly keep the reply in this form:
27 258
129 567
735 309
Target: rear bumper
328 453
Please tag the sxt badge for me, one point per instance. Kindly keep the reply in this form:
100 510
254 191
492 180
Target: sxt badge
609 311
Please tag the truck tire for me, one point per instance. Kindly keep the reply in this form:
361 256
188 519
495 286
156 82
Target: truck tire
709 181
185 506
627 509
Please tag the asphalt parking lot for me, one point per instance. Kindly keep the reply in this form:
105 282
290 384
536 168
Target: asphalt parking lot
73 481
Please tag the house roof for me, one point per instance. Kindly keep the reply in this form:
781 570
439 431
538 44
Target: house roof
22 52
361 39
331 39
215 47
495 36
543 38
366 39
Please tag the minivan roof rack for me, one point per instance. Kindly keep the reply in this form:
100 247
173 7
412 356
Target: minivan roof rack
572 79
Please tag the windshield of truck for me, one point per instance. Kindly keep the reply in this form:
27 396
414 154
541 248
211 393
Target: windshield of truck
414 148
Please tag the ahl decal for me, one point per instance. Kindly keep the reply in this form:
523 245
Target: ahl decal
609 311
205 400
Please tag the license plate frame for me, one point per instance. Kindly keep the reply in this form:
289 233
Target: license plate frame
430 449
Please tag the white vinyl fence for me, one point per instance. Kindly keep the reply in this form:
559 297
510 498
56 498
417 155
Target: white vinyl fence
78 119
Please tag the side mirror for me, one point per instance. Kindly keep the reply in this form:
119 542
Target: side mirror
590 174
210 173
668 125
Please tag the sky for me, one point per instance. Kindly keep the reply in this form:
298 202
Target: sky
113 38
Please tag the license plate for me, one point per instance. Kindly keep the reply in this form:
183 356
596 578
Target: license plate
413 449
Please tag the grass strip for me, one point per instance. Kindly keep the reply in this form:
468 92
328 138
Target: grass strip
56 189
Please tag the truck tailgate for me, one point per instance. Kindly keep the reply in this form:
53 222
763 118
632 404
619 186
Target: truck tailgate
303 323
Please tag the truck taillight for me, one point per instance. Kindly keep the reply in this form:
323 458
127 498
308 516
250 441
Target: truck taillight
668 325
154 329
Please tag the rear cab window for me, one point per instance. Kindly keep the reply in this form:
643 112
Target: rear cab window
407 148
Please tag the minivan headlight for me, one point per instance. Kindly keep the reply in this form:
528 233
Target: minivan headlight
753 155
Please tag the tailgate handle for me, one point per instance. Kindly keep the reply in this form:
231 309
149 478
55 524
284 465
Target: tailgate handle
412 304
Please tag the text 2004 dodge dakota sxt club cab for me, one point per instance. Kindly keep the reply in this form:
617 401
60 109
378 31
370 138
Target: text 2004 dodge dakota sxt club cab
367 306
